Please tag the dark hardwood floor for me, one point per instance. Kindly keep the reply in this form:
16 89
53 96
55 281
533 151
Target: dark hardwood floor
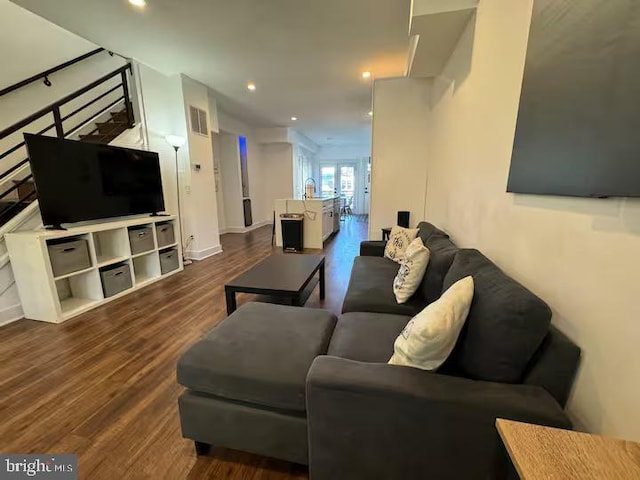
103 385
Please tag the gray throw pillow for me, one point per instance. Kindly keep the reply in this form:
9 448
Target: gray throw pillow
505 326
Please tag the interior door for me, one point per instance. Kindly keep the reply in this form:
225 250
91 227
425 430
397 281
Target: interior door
341 179
367 188
347 185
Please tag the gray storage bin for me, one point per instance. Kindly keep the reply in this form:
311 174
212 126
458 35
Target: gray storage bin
115 279
164 232
169 261
141 239
69 256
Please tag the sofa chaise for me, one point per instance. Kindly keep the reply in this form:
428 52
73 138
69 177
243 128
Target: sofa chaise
368 419
302 385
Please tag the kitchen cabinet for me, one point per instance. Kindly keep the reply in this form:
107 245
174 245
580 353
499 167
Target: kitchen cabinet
321 218
327 220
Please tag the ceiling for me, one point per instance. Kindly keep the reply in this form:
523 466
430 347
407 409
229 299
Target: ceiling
305 56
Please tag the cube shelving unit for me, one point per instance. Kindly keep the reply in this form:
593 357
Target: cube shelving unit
48 298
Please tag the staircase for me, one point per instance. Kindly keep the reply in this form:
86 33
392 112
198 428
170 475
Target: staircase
106 113
107 132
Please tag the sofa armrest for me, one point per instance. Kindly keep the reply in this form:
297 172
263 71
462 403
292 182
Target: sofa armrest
369 420
372 248
554 365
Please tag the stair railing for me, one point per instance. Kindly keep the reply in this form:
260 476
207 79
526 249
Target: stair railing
61 131
47 73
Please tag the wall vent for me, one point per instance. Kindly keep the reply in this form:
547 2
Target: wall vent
198 121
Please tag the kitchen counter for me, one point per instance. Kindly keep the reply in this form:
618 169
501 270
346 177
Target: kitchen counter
321 218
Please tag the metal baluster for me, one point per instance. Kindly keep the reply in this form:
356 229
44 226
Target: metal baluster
127 100
57 120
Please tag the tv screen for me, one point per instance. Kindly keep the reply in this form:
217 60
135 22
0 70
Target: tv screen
578 129
79 181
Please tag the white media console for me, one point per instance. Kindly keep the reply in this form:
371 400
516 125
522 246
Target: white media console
51 298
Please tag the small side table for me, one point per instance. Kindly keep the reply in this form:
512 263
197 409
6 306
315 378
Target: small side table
541 453
386 233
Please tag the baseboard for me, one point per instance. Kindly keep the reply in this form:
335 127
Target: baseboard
202 254
11 314
245 229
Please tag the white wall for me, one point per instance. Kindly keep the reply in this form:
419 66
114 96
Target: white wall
277 161
304 162
29 45
262 210
304 158
201 209
399 151
222 220
162 109
231 182
579 255
342 152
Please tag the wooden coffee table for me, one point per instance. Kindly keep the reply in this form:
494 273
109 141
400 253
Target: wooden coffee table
287 276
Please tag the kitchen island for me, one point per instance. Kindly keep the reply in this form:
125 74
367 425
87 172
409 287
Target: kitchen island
321 218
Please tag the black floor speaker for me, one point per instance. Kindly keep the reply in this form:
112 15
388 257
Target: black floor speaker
403 219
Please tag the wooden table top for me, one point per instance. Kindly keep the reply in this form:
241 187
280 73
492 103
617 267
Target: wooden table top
545 453
280 272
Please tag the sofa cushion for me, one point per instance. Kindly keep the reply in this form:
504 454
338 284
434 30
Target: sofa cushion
260 354
428 339
372 248
366 337
411 272
505 326
442 251
371 289
426 230
399 240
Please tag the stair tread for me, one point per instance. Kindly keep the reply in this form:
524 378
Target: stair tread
98 138
106 128
113 122
122 114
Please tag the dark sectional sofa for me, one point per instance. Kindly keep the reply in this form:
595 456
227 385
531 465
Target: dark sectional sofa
302 385
371 420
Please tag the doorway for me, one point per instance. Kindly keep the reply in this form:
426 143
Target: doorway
341 179
367 187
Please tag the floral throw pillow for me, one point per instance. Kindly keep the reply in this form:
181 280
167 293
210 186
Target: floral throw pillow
429 338
412 269
399 240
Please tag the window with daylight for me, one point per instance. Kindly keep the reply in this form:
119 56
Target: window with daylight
328 180
347 180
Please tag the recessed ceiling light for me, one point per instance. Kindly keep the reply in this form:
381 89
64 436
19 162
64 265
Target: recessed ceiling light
138 3
251 86
370 113
366 74
293 119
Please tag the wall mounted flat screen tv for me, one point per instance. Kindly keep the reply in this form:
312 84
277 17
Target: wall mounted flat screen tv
578 129
79 181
